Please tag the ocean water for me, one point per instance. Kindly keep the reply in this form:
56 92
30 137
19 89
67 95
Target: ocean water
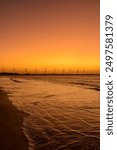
63 112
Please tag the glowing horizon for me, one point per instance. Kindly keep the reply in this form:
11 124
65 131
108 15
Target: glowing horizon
49 34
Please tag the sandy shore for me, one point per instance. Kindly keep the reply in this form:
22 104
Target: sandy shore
11 136
60 116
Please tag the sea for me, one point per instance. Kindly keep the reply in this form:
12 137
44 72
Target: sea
62 111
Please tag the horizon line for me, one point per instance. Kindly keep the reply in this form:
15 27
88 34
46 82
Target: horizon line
7 73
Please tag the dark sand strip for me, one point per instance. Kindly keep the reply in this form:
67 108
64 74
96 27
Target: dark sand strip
11 136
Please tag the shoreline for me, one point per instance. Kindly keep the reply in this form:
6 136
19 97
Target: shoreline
60 116
11 120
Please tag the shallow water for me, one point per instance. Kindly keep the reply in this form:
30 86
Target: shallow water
63 111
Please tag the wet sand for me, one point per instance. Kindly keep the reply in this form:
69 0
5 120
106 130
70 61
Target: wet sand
60 117
11 136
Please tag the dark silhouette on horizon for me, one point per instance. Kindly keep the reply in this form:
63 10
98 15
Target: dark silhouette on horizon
7 73
49 72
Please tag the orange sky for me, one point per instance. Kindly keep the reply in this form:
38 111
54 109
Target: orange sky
49 33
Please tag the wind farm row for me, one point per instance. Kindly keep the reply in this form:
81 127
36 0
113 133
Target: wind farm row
45 71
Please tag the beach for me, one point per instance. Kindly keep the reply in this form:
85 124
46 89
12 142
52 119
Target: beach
11 135
55 113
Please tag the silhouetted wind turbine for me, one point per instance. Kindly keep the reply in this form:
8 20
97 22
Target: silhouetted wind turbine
54 71
63 70
77 71
45 71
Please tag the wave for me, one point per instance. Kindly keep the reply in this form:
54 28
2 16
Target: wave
59 116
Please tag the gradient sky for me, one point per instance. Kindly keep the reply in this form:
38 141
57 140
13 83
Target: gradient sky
49 33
